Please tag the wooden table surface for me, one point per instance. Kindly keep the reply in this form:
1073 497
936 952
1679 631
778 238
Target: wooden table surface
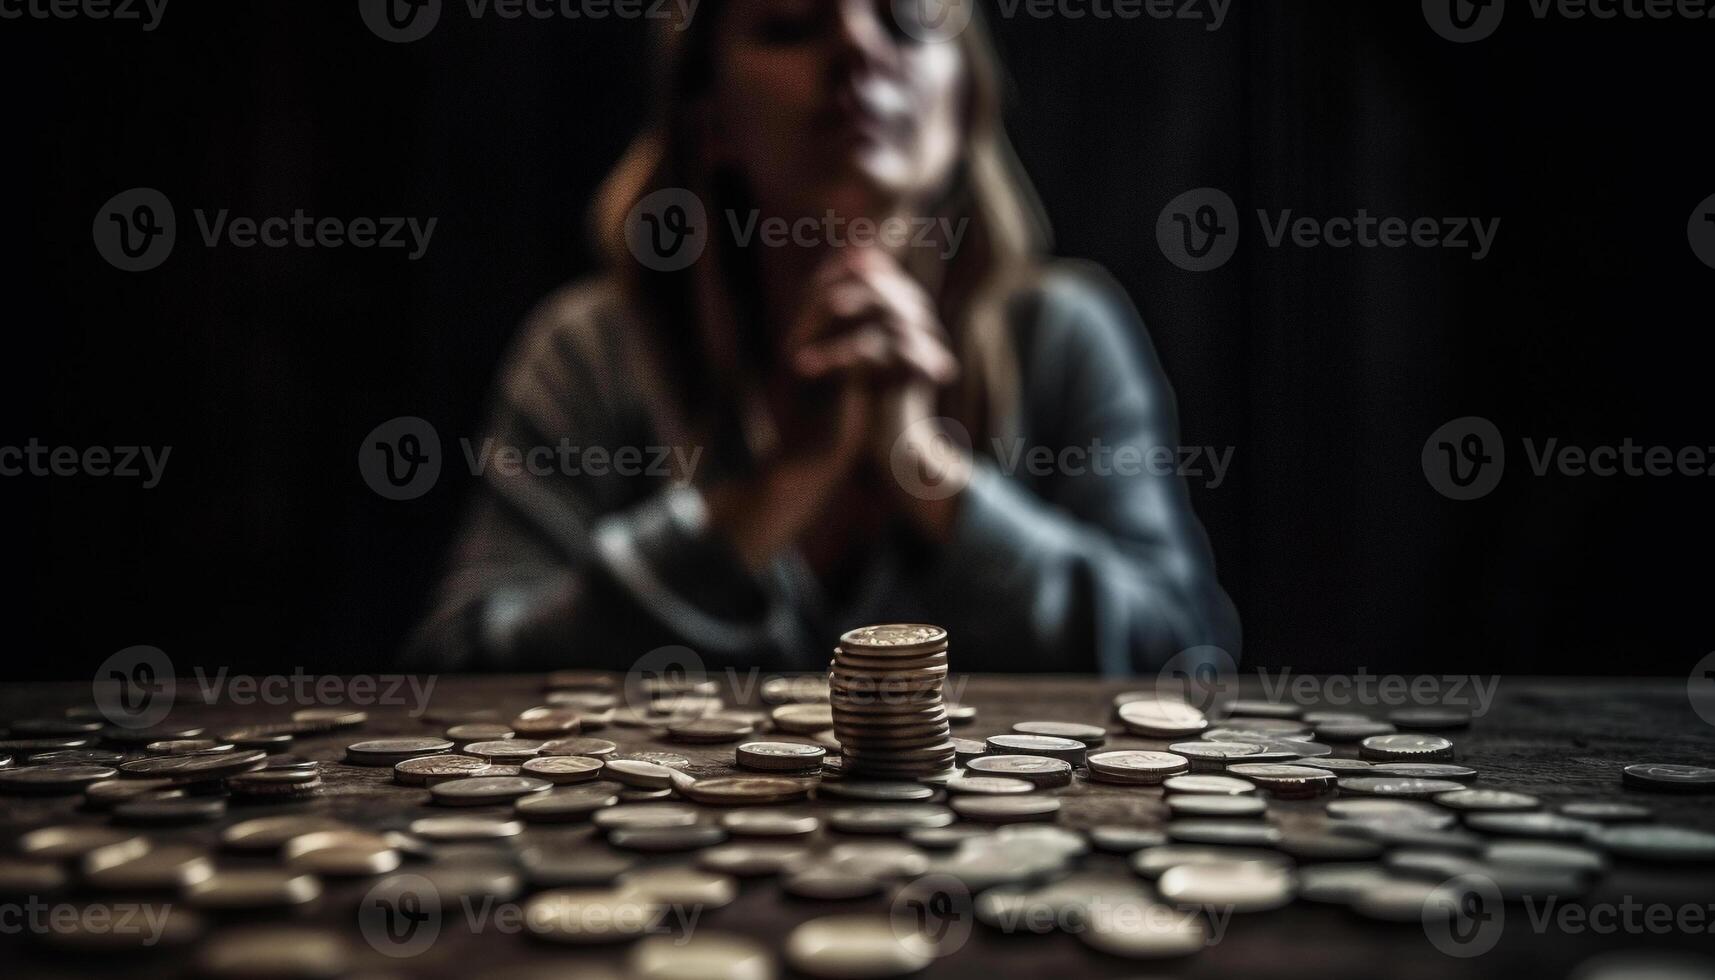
1562 739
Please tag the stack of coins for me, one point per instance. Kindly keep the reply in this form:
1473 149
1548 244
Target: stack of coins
885 686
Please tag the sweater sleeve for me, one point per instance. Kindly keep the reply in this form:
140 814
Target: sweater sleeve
1076 539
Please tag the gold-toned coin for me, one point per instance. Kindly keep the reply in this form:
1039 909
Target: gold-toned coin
340 854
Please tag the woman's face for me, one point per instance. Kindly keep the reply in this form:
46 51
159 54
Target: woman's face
829 104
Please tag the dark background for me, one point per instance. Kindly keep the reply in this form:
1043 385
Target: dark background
1326 369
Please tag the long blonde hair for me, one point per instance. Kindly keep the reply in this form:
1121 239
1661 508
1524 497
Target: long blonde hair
1006 237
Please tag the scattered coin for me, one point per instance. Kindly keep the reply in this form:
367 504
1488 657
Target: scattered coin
486 790
1233 886
1090 735
1037 770
1122 839
1424 770
1405 748
78 757
664 839
1487 799
635 772
272 833
163 867
1214 755
780 756
1162 719
585 916
705 956
1339 883
677 885
480 731
568 803
1546 855
877 791
1152 862
547 721
1648 842
462 828
1603 811
988 785
1352 731
53 779
170 812
743 790
110 793
594 748
504 750
1133 766
563 769
250 889
340 853
1217 785
1683 779
328 719
429 769
1005 809
194 768
274 784
1194 805
856 946
1290 781
769 823
1069 750
1551 826
889 818
391 751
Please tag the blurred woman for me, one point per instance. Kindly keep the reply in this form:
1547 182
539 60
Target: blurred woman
829 379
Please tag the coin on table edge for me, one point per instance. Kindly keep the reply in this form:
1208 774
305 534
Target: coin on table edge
779 756
1424 770
274 784
568 803
563 769
1405 747
591 915
856 946
253 888
1658 775
424 769
486 790
739 790
271 833
1486 799
340 853
1034 769
635 772
509 749
53 779
594 748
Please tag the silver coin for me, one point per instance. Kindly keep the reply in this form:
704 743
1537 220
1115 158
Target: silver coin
769 823
646 815
1424 770
271 833
681 885
76 757
1547 856
848 946
1214 755
1162 719
1213 785
1551 826
486 790
389 751
1005 809
1122 839
875 791
1603 811
1069 750
568 803
1090 735
589 916
1648 842
779 756
1352 731
1405 748
1234 886
1130 766
988 785
192 768
1141 930
553 867
1333 765
666 839
1391 811
706 956
504 750
1487 799
1238 833
595 748
1034 769
1396 786
636 772
53 779
480 731
752 860
428 769
562 769
889 818
1339 884
1657 775
1194 805
462 828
